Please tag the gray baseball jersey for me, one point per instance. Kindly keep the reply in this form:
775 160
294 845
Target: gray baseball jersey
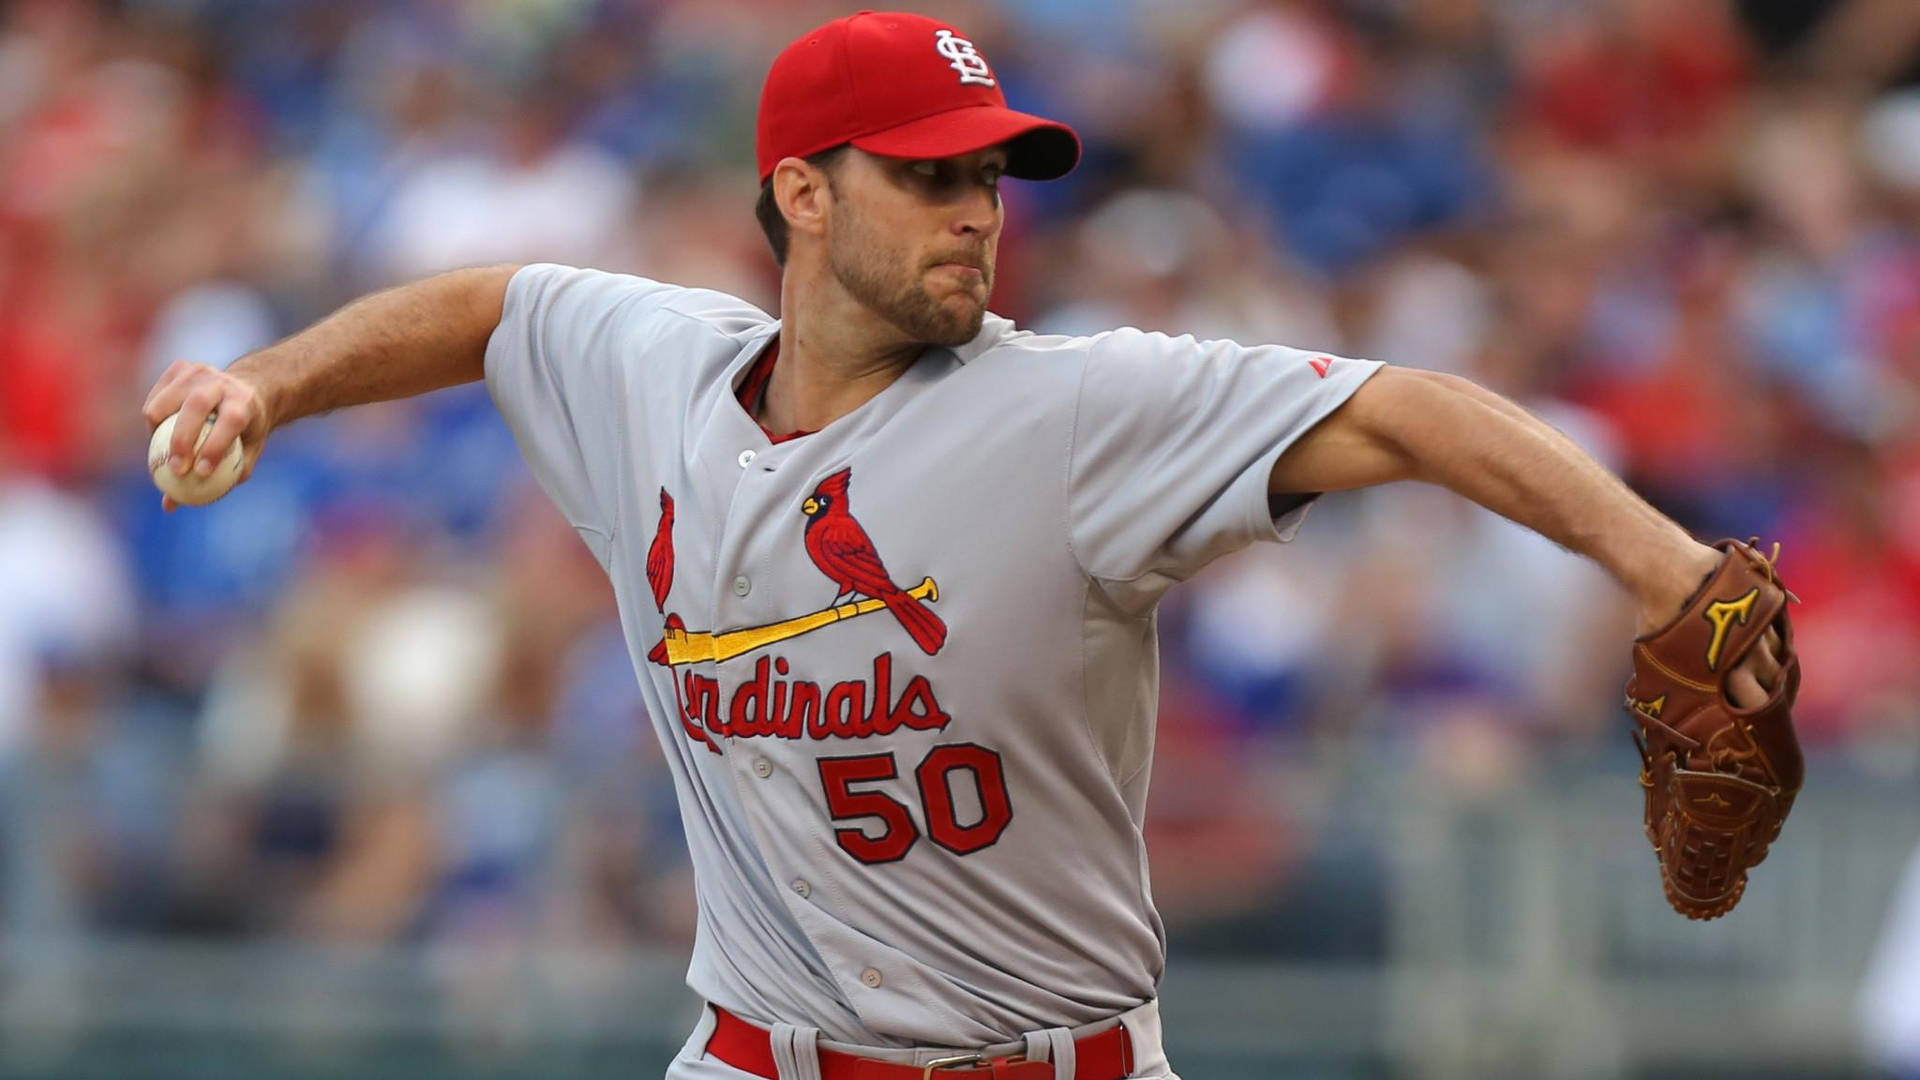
904 668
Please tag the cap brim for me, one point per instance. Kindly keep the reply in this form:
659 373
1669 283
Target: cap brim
1037 148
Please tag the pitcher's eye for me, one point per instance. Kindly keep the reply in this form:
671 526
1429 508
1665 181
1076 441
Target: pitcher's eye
927 168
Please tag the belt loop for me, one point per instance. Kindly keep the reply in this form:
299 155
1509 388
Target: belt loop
1055 1045
796 1051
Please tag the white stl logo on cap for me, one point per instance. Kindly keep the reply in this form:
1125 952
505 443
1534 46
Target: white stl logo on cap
960 52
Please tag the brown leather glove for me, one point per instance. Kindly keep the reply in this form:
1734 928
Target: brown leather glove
1720 779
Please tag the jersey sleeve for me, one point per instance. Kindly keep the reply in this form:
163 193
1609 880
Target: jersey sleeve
557 367
1173 443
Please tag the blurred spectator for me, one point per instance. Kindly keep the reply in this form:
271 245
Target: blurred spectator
69 603
1351 152
1890 1000
535 189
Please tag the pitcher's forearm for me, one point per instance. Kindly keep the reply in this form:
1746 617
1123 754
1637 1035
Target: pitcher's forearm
1628 537
403 341
1417 425
1479 444
393 344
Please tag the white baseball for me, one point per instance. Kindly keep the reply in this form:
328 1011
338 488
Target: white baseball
191 489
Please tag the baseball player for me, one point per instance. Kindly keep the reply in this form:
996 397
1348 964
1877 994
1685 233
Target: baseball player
887 565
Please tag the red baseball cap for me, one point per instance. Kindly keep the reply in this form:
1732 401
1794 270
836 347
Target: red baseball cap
899 85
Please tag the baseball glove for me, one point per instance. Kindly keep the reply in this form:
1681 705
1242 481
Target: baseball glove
1719 779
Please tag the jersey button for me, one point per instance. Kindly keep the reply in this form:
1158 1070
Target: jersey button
871 977
762 768
741 586
800 886
746 458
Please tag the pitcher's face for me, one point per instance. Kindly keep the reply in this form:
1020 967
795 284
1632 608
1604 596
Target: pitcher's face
915 241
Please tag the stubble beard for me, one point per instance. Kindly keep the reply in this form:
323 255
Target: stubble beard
898 293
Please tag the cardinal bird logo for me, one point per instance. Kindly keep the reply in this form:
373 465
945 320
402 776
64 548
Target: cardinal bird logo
660 554
840 548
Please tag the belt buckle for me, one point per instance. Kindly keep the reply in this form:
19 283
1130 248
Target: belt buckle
971 1061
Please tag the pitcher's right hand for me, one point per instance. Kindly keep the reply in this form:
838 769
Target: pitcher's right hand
197 391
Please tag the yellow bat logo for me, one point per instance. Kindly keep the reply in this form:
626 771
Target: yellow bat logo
1723 614
703 646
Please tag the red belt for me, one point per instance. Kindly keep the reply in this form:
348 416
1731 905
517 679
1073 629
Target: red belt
1106 1056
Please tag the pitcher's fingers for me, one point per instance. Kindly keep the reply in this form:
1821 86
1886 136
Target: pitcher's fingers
1765 660
200 402
164 399
167 504
1744 689
231 421
154 408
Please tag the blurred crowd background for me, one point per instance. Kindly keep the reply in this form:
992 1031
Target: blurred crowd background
377 698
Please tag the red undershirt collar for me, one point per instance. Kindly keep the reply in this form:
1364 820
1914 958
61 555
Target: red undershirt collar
753 390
